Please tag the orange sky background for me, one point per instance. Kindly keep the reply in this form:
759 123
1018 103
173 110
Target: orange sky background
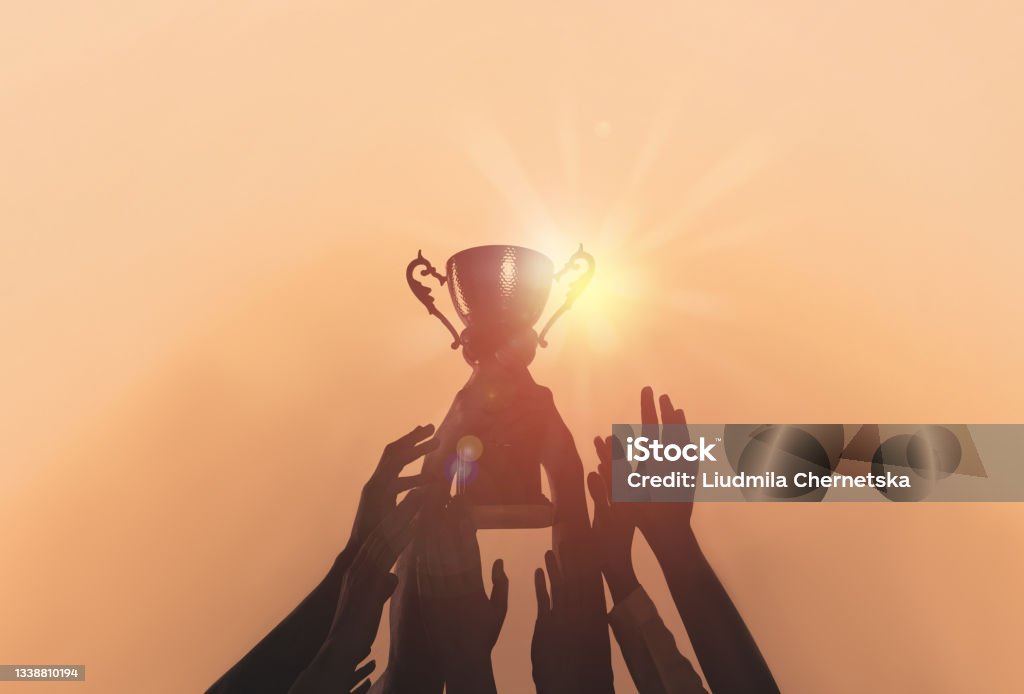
801 211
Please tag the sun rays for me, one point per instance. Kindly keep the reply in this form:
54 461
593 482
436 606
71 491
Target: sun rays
623 248
642 253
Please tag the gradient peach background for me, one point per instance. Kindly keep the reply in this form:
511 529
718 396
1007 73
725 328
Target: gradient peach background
801 211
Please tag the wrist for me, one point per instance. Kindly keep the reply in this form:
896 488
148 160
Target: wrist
345 557
677 555
470 671
621 582
668 540
339 654
470 653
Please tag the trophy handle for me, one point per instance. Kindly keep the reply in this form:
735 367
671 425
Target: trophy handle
575 289
422 292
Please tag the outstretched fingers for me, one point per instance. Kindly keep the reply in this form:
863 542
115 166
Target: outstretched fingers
674 422
406 449
410 439
669 413
361 675
365 671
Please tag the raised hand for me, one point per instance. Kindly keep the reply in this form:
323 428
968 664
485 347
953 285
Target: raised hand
554 668
461 620
369 582
662 522
613 540
359 682
572 542
384 486
727 652
367 585
648 647
276 662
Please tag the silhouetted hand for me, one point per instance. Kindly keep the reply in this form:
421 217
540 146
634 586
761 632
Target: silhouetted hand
359 682
661 523
383 487
571 540
462 622
367 585
727 652
613 540
369 581
278 660
554 667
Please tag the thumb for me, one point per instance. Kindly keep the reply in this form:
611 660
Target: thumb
499 592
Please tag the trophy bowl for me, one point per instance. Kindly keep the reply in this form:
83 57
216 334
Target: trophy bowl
499 292
499 287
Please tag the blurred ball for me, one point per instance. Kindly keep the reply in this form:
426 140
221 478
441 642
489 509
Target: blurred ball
470 448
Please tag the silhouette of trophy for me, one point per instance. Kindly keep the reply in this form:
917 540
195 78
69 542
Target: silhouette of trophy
502 426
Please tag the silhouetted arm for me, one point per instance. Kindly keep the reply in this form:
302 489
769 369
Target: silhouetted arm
461 620
649 649
572 543
413 662
554 665
276 661
655 664
367 586
727 653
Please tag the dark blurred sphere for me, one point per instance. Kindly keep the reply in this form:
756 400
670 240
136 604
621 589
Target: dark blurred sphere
893 456
934 452
785 450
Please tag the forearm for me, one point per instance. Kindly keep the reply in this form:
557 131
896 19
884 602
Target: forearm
724 647
471 673
570 540
413 663
333 664
649 649
592 652
275 662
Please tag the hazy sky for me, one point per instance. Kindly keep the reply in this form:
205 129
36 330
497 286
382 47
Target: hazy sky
801 211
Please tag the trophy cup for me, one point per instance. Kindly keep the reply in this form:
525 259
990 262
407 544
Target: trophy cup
502 426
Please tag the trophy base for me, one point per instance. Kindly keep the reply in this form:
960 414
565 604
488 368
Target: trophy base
508 516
